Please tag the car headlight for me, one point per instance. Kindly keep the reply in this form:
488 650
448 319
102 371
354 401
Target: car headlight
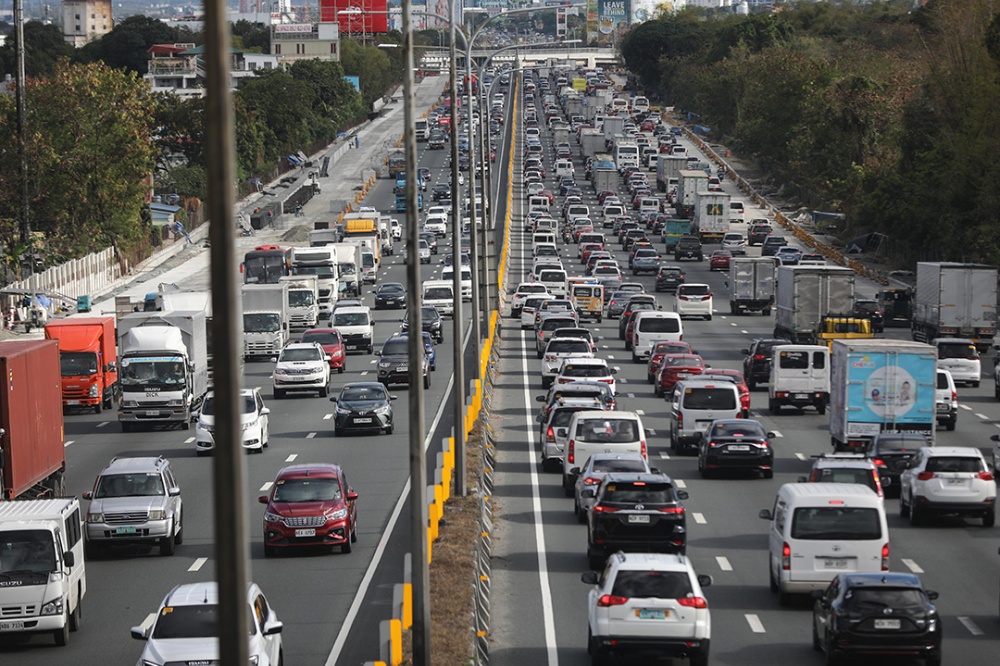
254 660
272 517
384 409
248 425
54 607
280 371
176 403
436 325
94 390
146 662
95 517
384 365
339 514
130 404
337 353
157 514
343 410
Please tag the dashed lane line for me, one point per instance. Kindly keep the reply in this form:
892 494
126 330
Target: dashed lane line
699 518
680 483
801 456
189 440
970 625
664 455
966 408
292 457
327 417
102 424
724 564
777 433
982 416
198 564
267 486
67 443
756 626
912 566
310 435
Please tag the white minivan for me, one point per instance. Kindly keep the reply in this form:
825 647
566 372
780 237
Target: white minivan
800 377
596 431
696 403
654 326
820 530
959 357
465 279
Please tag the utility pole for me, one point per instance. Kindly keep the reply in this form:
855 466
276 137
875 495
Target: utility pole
22 135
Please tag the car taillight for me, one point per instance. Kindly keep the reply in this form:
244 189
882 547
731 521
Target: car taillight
611 600
885 557
678 510
550 435
878 483
571 452
985 476
591 481
786 557
606 381
878 462
642 448
550 358
714 444
925 476
759 357
954 396
693 602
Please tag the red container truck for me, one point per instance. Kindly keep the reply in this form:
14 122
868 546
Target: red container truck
31 419
89 360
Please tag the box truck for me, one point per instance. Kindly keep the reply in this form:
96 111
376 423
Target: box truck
710 215
751 284
955 301
265 319
806 296
88 356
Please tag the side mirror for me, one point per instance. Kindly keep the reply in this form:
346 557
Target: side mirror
886 482
575 471
378 353
614 371
351 496
589 577
541 398
765 514
771 435
139 633
174 492
704 580
265 411
111 367
273 359
932 595
393 397
333 398
273 627
682 494
262 499
69 558
326 357
995 438
745 352
87 494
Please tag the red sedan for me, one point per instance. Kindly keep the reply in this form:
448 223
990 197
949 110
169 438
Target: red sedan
675 367
661 349
736 377
719 261
333 346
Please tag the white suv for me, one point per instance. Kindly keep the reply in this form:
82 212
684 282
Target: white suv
302 366
945 400
254 423
694 300
648 605
558 350
948 480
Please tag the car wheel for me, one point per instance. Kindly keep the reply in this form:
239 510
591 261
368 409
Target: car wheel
635 358
540 353
766 312
269 551
989 518
699 658
91 550
427 380
61 635
98 407
934 660
658 390
323 391
167 545
338 432
126 426
916 516
772 581
628 345
581 516
568 488
768 473
76 617
179 536
751 383
904 508
975 384
821 408
831 658
346 547
278 394
773 407
950 425
595 562
784 598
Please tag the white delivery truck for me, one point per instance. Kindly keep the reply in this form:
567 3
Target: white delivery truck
303 300
322 262
440 294
711 215
265 319
348 269
43 575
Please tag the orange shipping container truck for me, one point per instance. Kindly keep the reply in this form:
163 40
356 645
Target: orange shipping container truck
34 455
89 360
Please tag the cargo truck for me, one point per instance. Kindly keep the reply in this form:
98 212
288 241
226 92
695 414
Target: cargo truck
955 301
751 284
43 577
806 296
606 179
348 269
265 319
614 125
88 357
264 264
896 304
171 298
710 215
303 300
689 183
323 263
880 386
31 421
673 230
668 168
592 141
164 367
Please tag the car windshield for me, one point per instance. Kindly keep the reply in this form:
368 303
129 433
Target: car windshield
248 403
954 464
659 325
860 598
563 346
642 492
301 354
26 550
609 430
683 361
325 338
738 430
836 523
652 585
429 313
395 347
951 350
611 465
350 319
306 490
439 293
129 485
562 416
77 364
845 475
352 393
391 288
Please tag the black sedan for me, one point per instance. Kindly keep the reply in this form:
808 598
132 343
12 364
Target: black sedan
736 444
876 614
441 191
390 295
430 321
363 406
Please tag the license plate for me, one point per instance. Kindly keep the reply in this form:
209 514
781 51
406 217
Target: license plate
888 624
124 530
72 402
955 482
152 412
652 613
739 447
306 532
638 518
17 625
801 396
365 420
831 563
350 347
942 407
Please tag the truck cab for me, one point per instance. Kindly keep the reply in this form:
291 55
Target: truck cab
843 328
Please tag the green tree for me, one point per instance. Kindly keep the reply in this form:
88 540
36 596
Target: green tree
285 106
127 45
336 100
251 36
373 67
43 47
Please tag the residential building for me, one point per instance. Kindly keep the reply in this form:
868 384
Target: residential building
180 68
305 41
85 20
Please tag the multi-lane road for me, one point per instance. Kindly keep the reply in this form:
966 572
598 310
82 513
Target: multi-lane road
539 613
331 604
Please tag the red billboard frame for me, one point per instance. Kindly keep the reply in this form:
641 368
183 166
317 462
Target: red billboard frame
356 17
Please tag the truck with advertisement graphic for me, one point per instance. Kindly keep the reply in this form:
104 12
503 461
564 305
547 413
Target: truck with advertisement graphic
880 386
711 215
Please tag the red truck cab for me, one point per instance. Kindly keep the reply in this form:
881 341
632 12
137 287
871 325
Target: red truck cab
88 358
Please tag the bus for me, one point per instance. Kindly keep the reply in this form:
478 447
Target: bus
265 264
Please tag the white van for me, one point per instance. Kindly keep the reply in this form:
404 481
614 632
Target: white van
596 431
609 213
640 105
800 377
564 168
448 275
654 326
696 403
649 205
538 203
959 357
576 210
543 238
819 530
356 326
554 281
441 295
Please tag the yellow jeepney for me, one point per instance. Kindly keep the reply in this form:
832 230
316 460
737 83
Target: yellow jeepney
587 297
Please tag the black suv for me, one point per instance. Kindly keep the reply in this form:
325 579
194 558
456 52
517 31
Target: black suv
688 247
757 360
876 613
868 308
635 512
393 362
892 452
771 245
668 278
758 234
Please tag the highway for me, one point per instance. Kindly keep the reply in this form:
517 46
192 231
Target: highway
322 598
539 612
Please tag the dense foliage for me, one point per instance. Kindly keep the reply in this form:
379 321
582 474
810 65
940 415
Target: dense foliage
881 111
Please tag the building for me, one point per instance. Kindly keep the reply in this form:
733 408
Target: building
180 68
85 20
305 41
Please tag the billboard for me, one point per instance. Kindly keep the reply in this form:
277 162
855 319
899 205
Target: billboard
356 17
607 20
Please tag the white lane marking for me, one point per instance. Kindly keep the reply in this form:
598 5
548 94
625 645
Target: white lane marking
800 456
310 435
364 372
744 332
67 443
912 566
733 324
699 518
292 457
327 417
970 625
607 347
982 416
756 626
373 361
366 580
189 440
630 395
777 433
966 408
610 356
102 424
680 483
198 564
623 380
640 412
724 564
664 455
267 486
652 432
